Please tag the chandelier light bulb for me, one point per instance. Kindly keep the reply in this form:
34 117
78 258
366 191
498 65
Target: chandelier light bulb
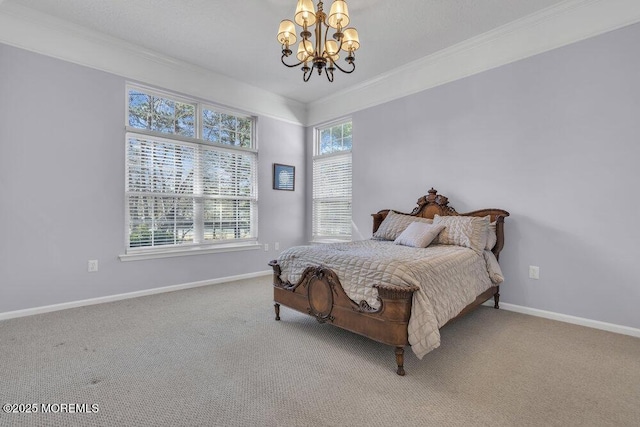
338 15
350 40
287 33
305 13
302 54
332 49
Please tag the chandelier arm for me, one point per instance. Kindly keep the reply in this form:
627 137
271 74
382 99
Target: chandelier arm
353 65
326 36
329 74
290 66
341 39
307 75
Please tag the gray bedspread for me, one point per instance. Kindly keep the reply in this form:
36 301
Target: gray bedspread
449 277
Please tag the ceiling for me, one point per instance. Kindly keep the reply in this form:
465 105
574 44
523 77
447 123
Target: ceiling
238 38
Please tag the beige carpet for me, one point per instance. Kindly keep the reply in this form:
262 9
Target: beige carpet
214 356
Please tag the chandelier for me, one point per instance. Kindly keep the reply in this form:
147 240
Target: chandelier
321 53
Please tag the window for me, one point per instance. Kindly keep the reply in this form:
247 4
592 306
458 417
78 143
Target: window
332 183
191 174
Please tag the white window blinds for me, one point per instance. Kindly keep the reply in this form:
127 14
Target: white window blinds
332 197
184 191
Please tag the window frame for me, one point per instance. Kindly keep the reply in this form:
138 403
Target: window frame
199 144
318 156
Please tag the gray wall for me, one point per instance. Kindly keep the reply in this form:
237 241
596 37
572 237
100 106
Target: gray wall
553 139
62 155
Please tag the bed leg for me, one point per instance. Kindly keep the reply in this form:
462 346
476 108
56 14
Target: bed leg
276 306
496 298
400 360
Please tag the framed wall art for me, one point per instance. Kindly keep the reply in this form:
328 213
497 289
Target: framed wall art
284 177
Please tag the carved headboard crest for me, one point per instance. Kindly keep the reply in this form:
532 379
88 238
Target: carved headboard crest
432 204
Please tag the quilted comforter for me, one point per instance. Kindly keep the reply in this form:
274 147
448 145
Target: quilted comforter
449 278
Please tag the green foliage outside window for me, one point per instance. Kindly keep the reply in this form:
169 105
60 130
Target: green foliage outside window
335 139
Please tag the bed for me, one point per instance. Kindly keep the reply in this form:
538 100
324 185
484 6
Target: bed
392 289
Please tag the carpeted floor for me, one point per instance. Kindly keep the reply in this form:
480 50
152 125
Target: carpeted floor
214 356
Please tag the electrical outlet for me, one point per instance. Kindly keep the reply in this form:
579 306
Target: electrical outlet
266 247
534 272
276 246
92 265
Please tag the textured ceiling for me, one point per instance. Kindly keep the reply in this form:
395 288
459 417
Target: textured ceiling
238 38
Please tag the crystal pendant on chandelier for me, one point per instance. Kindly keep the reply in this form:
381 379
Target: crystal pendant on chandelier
315 49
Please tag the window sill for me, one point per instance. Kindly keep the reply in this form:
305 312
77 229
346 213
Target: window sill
170 253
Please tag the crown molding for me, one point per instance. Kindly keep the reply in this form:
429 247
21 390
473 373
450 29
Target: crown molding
565 23
28 29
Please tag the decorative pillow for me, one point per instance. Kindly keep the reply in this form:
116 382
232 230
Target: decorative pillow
394 224
492 238
419 234
495 272
467 231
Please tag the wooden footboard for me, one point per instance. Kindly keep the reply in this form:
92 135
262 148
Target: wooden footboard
319 293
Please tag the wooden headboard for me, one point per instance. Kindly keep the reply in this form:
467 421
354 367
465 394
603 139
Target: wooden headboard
436 204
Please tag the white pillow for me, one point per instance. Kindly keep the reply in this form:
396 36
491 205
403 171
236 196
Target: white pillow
467 231
419 234
394 224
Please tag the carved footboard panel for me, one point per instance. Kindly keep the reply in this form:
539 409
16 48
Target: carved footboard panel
320 294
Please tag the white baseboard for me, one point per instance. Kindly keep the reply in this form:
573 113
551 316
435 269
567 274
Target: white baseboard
619 329
117 297
596 324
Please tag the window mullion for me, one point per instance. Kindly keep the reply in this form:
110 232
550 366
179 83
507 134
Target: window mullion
198 201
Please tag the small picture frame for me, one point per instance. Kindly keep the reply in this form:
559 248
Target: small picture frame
284 177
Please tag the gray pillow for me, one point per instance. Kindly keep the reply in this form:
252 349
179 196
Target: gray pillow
467 231
395 223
